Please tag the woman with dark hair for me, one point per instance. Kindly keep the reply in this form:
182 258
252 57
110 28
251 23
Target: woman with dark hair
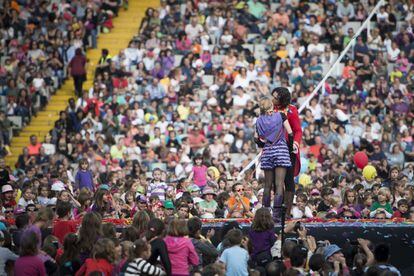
281 100
155 235
102 204
89 232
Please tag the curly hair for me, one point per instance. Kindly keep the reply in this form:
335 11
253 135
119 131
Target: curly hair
283 96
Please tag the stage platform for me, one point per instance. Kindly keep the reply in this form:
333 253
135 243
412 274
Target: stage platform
399 235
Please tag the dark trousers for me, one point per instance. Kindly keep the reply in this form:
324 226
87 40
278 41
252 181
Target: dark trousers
78 83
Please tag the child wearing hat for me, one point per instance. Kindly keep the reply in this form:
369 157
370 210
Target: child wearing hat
208 206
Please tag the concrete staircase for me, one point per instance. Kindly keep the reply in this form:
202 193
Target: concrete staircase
125 27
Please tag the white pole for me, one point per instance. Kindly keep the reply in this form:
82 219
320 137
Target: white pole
338 60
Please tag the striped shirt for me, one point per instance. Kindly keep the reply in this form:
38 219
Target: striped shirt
140 266
157 189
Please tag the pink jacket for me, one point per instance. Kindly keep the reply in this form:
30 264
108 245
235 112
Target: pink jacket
182 254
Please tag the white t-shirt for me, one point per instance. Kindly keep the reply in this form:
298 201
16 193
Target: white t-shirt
316 47
193 32
241 101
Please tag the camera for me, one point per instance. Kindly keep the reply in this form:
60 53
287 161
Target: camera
298 226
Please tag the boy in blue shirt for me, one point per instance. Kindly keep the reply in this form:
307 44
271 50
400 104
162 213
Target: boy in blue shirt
235 257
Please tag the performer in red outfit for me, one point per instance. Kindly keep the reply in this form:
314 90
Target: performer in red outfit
281 99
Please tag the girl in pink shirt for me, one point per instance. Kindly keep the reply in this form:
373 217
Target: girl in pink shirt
199 173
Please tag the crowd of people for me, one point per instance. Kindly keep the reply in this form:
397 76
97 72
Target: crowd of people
38 41
170 122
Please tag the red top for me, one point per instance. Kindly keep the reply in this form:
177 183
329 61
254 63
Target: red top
92 265
77 65
293 118
63 227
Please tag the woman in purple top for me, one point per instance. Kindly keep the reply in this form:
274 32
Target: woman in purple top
29 263
275 158
262 237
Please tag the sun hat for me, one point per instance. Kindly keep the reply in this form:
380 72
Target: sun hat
6 188
209 191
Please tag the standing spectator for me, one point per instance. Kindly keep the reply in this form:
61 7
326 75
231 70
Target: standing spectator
159 252
235 257
262 237
77 68
180 249
29 262
382 256
138 264
103 255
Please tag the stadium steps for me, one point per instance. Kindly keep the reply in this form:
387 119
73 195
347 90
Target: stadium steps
125 28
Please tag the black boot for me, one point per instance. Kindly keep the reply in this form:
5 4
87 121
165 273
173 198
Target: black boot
288 200
277 208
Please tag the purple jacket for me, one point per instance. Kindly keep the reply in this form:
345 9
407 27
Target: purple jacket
263 241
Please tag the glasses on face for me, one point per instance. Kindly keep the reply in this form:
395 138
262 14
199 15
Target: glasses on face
240 190
8 211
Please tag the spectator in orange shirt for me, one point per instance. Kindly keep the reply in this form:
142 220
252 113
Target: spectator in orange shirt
239 205
34 146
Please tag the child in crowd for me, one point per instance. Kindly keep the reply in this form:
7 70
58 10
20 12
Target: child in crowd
235 257
157 186
138 264
367 202
199 173
383 204
27 198
301 210
402 211
64 224
29 262
70 261
43 198
349 208
103 255
84 176
325 204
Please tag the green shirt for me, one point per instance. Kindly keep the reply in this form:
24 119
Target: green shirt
387 207
256 9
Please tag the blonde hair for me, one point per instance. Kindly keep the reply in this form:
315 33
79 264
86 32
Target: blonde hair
265 105
385 192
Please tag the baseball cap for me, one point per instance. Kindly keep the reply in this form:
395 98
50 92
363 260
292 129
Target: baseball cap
58 186
142 199
168 204
6 188
104 187
330 250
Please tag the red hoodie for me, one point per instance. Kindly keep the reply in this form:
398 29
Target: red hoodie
92 265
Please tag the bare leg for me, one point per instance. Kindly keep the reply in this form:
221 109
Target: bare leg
268 185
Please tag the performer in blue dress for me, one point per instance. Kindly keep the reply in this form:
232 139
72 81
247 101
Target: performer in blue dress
275 159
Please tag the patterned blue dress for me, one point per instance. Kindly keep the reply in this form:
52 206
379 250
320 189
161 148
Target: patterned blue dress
275 151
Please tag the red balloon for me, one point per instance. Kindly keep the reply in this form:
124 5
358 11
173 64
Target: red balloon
360 159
